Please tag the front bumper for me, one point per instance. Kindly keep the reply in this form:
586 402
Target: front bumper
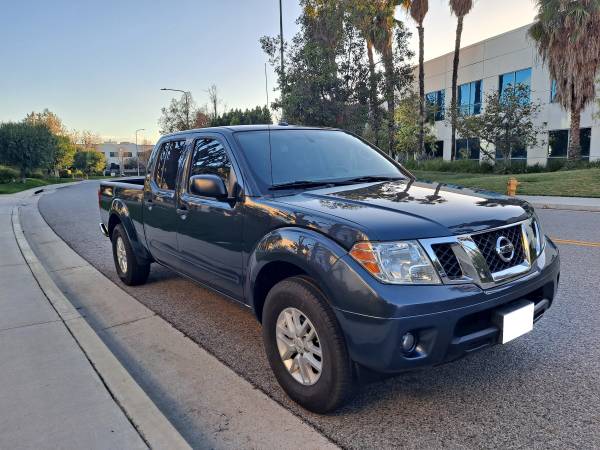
449 321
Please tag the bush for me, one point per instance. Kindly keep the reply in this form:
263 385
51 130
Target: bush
8 174
64 173
38 174
516 166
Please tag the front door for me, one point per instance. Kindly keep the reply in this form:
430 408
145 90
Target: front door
210 230
160 218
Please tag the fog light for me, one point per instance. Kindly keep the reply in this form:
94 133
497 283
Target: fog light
408 342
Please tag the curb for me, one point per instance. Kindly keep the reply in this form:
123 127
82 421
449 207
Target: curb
154 428
565 207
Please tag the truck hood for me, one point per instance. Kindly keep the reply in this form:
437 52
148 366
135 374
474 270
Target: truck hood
402 209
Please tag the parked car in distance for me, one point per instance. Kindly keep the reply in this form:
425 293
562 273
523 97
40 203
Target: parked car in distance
344 258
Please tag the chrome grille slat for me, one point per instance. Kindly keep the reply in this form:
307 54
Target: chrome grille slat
472 258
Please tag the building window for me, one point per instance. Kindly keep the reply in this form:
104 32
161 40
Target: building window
558 143
113 154
585 138
468 149
553 91
436 150
512 79
469 98
435 106
127 154
516 153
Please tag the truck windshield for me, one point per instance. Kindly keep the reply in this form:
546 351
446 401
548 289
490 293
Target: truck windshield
304 158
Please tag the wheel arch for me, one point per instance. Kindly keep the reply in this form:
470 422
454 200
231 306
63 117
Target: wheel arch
119 214
288 252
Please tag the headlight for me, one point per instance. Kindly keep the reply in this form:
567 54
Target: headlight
539 240
402 262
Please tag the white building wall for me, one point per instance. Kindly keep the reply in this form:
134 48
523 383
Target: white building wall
114 148
486 61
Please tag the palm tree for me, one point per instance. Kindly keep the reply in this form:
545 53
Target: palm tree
383 42
567 37
363 17
460 8
417 10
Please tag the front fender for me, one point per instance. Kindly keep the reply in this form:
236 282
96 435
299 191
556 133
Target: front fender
309 250
119 209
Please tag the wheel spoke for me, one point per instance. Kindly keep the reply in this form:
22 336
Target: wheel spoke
304 369
297 325
310 359
290 322
312 348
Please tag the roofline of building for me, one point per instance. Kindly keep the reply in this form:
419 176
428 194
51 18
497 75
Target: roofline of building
483 41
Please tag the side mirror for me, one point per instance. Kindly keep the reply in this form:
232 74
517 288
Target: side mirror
208 186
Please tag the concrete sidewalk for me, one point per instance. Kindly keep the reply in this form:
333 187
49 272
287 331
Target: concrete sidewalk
52 394
566 203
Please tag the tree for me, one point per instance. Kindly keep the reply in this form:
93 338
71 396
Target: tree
418 9
213 98
26 146
201 119
506 123
332 76
384 38
89 161
85 138
324 79
407 134
176 116
362 16
460 8
567 36
65 153
48 118
257 115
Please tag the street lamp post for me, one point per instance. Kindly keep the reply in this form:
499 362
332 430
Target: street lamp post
137 150
187 104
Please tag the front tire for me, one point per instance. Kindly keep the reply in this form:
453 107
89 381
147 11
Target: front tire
305 345
130 271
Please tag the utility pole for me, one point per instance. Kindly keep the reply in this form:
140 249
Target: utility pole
281 55
137 150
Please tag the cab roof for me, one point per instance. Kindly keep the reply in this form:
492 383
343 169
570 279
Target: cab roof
236 128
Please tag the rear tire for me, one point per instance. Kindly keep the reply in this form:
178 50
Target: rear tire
317 372
130 271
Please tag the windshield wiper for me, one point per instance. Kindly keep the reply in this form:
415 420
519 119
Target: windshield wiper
372 178
300 184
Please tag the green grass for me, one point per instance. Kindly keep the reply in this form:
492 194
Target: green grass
567 183
17 186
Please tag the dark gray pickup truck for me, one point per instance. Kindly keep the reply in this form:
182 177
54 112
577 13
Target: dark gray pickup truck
350 264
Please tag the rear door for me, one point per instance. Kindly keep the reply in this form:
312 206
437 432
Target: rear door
160 217
210 230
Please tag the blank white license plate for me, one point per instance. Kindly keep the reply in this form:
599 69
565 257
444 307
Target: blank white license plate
514 320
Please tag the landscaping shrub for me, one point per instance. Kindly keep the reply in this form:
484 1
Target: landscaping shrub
8 174
516 166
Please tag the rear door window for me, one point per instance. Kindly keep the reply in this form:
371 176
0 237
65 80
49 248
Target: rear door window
167 164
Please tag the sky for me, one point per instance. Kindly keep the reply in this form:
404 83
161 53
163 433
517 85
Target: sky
100 65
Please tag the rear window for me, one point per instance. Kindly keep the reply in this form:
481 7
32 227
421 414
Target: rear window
310 155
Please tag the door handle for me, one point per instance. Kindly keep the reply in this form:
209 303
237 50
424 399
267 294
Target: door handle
182 212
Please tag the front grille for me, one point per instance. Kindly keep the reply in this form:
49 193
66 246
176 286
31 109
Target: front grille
487 246
447 259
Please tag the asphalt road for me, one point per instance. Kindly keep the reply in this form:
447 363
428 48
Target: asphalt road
539 391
